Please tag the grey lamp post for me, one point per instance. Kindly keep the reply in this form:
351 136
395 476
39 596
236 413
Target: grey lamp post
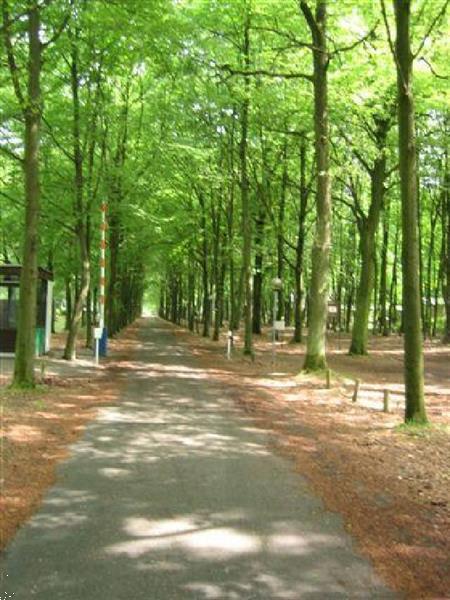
276 287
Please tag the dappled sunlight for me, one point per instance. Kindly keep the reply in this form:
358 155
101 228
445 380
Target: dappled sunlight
23 434
210 544
175 489
66 519
67 497
114 473
276 384
203 537
173 440
152 370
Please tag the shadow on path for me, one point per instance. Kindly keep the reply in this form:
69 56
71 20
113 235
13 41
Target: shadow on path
174 494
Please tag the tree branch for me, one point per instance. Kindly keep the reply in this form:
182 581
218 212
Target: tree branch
50 131
58 31
265 73
287 35
389 35
434 22
304 7
11 154
369 35
356 153
430 66
13 69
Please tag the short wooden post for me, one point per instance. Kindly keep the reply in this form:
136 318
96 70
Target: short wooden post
229 344
386 398
356 390
328 375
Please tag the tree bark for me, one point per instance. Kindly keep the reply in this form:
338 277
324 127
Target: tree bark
413 360
205 271
383 321
280 237
446 253
70 349
245 199
191 296
368 229
315 358
25 343
258 274
393 286
427 325
299 251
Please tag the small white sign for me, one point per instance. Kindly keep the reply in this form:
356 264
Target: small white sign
279 325
97 333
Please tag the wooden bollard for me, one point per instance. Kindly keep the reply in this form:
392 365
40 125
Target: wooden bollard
386 398
328 376
356 390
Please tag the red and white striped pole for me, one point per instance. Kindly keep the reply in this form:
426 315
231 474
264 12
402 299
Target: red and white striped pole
100 331
103 227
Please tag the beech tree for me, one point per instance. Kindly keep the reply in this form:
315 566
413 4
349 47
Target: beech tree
29 102
212 132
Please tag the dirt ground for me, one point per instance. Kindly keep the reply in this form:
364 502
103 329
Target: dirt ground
391 484
37 427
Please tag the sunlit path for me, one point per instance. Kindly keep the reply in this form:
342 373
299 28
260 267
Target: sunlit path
175 494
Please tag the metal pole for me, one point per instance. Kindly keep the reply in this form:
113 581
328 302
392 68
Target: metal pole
274 316
102 283
102 267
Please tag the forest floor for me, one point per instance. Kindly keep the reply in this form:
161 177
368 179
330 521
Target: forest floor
37 427
390 483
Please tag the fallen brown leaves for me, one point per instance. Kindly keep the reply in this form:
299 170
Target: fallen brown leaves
37 429
390 484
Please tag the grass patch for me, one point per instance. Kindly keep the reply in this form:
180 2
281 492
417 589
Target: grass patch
39 404
421 430
17 398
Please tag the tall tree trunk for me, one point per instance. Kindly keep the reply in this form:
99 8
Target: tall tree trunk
245 198
234 316
349 305
280 236
413 361
358 344
299 251
258 275
220 285
427 325
68 304
70 349
368 229
218 269
25 343
318 303
446 253
383 322
191 296
116 229
375 291
393 287
205 271
420 250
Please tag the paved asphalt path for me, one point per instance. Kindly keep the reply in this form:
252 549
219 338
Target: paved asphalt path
174 494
